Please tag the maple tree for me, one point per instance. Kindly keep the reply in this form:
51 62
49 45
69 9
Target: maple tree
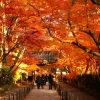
87 36
64 25
73 22
78 29
82 25
13 30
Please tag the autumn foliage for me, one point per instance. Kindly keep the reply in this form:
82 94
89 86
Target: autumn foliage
71 27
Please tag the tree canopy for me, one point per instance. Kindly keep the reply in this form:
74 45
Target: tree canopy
69 27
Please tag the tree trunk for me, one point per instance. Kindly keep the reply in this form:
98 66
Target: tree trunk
96 2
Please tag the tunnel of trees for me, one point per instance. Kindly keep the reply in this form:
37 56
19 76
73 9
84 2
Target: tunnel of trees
66 32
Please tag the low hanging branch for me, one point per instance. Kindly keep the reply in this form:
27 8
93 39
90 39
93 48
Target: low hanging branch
16 45
49 31
20 50
47 27
89 32
17 67
13 20
86 49
17 57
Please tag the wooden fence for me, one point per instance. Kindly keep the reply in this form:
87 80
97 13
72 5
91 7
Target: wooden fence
70 93
18 93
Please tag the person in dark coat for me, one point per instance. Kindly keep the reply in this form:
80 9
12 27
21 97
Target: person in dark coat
38 81
50 80
46 78
42 81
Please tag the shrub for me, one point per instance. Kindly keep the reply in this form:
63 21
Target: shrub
6 76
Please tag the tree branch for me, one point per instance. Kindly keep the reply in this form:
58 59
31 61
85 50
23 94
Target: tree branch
92 35
96 2
16 59
86 49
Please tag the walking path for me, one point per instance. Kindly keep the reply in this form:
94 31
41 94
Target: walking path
64 92
42 94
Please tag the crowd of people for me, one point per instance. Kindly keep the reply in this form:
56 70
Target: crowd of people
41 81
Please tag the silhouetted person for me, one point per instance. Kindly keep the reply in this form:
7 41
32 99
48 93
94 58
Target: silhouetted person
38 81
42 81
50 80
46 78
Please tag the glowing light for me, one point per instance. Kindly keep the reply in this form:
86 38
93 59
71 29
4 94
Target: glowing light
57 72
70 34
0 65
22 65
57 69
64 73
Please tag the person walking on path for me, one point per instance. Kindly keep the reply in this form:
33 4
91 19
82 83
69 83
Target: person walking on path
50 81
45 94
46 78
42 81
38 81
